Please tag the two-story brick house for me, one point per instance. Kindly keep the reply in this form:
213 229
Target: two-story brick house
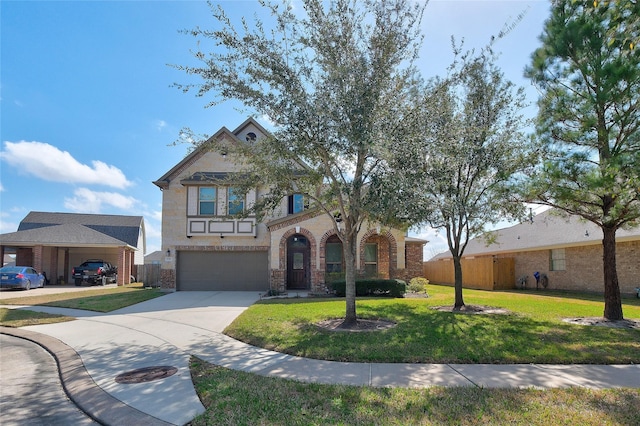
207 247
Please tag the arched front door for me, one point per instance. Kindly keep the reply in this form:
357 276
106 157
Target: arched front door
298 261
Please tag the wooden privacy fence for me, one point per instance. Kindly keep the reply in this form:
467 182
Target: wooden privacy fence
149 274
483 273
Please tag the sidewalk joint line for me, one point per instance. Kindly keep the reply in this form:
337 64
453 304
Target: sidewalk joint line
471 381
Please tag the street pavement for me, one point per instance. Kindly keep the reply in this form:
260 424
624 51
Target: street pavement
31 392
164 332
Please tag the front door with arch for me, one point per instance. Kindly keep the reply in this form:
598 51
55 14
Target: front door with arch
298 262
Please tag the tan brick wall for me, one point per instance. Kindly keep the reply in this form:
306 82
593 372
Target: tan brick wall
584 269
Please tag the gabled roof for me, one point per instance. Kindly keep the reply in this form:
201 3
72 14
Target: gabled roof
67 234
77 229
547 230
163 182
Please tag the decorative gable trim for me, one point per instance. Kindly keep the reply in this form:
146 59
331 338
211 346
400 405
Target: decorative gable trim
293 219
194 156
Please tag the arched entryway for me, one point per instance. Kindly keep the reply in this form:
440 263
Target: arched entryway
298 262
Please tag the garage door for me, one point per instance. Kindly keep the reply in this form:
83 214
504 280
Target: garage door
222 271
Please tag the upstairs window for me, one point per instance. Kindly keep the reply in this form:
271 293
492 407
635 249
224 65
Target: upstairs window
297 203
207 201
235 201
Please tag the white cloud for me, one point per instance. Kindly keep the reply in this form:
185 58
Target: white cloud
1 187
156 214
87 201
6 225
151 231
49 163
160 125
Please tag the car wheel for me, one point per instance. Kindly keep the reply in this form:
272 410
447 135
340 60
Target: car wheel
103 280
78 282
28 286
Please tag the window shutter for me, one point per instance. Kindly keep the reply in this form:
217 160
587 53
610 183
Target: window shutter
192 201
251 198
222 201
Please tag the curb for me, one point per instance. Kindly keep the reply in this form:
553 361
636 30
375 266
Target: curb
80 387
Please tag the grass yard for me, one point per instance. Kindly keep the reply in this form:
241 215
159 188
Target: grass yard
23 318
532 333
98 300
238 398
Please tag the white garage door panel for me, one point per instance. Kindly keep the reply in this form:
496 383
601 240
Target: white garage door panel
222 271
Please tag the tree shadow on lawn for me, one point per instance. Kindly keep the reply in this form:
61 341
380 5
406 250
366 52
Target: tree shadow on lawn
424 335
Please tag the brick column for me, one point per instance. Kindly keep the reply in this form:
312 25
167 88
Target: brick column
121 267
38 258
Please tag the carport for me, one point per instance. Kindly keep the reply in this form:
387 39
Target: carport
54 243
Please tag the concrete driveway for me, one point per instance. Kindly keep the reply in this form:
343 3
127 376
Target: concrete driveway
164 331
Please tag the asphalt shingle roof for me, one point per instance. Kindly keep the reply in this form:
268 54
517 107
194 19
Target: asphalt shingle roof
76 229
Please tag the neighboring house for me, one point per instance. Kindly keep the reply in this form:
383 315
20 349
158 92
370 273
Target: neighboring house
154 258
567 250
56 242
206 248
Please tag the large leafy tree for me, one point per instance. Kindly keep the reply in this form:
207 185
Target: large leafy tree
331 78
469 143
588 73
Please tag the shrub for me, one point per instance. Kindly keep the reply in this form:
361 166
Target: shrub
418 285
331 277
372 287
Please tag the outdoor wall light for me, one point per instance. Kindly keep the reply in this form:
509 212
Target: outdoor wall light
168 252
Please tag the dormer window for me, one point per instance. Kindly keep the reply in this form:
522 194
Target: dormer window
251 137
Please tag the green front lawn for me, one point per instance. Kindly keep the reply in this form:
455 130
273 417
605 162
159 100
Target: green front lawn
239 398
22 318
99 299
532 333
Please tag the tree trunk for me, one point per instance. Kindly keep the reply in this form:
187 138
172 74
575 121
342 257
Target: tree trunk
350 278
612 300
457 268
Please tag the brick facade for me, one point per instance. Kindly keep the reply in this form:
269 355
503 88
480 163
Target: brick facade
584 268
413 260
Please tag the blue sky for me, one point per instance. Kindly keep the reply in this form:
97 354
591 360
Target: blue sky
88 114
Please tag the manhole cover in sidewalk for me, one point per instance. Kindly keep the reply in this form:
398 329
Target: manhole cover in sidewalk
146 374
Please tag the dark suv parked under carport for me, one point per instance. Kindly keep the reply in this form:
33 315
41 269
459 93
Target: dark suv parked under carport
94 271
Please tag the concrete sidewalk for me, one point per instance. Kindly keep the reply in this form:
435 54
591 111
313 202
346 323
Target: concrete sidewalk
92 350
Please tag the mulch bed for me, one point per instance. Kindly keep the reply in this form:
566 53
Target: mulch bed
602 322
360 325
473 309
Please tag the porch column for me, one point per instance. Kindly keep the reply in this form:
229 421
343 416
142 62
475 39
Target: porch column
122 270
37 258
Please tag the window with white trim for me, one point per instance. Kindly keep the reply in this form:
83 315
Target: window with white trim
297 203
235 201
207 201
557 260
